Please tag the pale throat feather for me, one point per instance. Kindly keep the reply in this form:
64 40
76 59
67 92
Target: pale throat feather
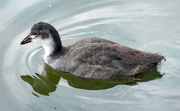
48 45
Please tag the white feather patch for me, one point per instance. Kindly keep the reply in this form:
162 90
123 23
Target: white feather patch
48 45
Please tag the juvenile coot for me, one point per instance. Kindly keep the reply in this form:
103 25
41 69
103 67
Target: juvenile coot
91 57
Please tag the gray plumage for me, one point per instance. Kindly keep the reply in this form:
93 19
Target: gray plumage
92 57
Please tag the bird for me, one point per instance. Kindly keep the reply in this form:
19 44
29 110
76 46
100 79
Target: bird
92 57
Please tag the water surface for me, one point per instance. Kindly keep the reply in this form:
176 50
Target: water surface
151 26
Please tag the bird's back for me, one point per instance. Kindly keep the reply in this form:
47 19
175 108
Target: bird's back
100 58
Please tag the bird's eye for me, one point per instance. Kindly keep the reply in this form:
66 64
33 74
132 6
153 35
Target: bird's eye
35 33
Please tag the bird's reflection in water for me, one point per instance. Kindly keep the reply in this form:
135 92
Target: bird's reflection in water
46 82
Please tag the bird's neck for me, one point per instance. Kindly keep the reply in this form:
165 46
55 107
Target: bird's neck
52 49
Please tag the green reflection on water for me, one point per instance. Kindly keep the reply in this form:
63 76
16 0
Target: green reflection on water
46 82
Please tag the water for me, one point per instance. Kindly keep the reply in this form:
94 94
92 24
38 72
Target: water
145 25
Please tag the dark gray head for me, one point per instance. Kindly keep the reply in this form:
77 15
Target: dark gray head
42 31
47 36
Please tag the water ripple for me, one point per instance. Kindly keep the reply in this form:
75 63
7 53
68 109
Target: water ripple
147 25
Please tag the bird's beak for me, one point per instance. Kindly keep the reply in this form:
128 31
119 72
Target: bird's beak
26 40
